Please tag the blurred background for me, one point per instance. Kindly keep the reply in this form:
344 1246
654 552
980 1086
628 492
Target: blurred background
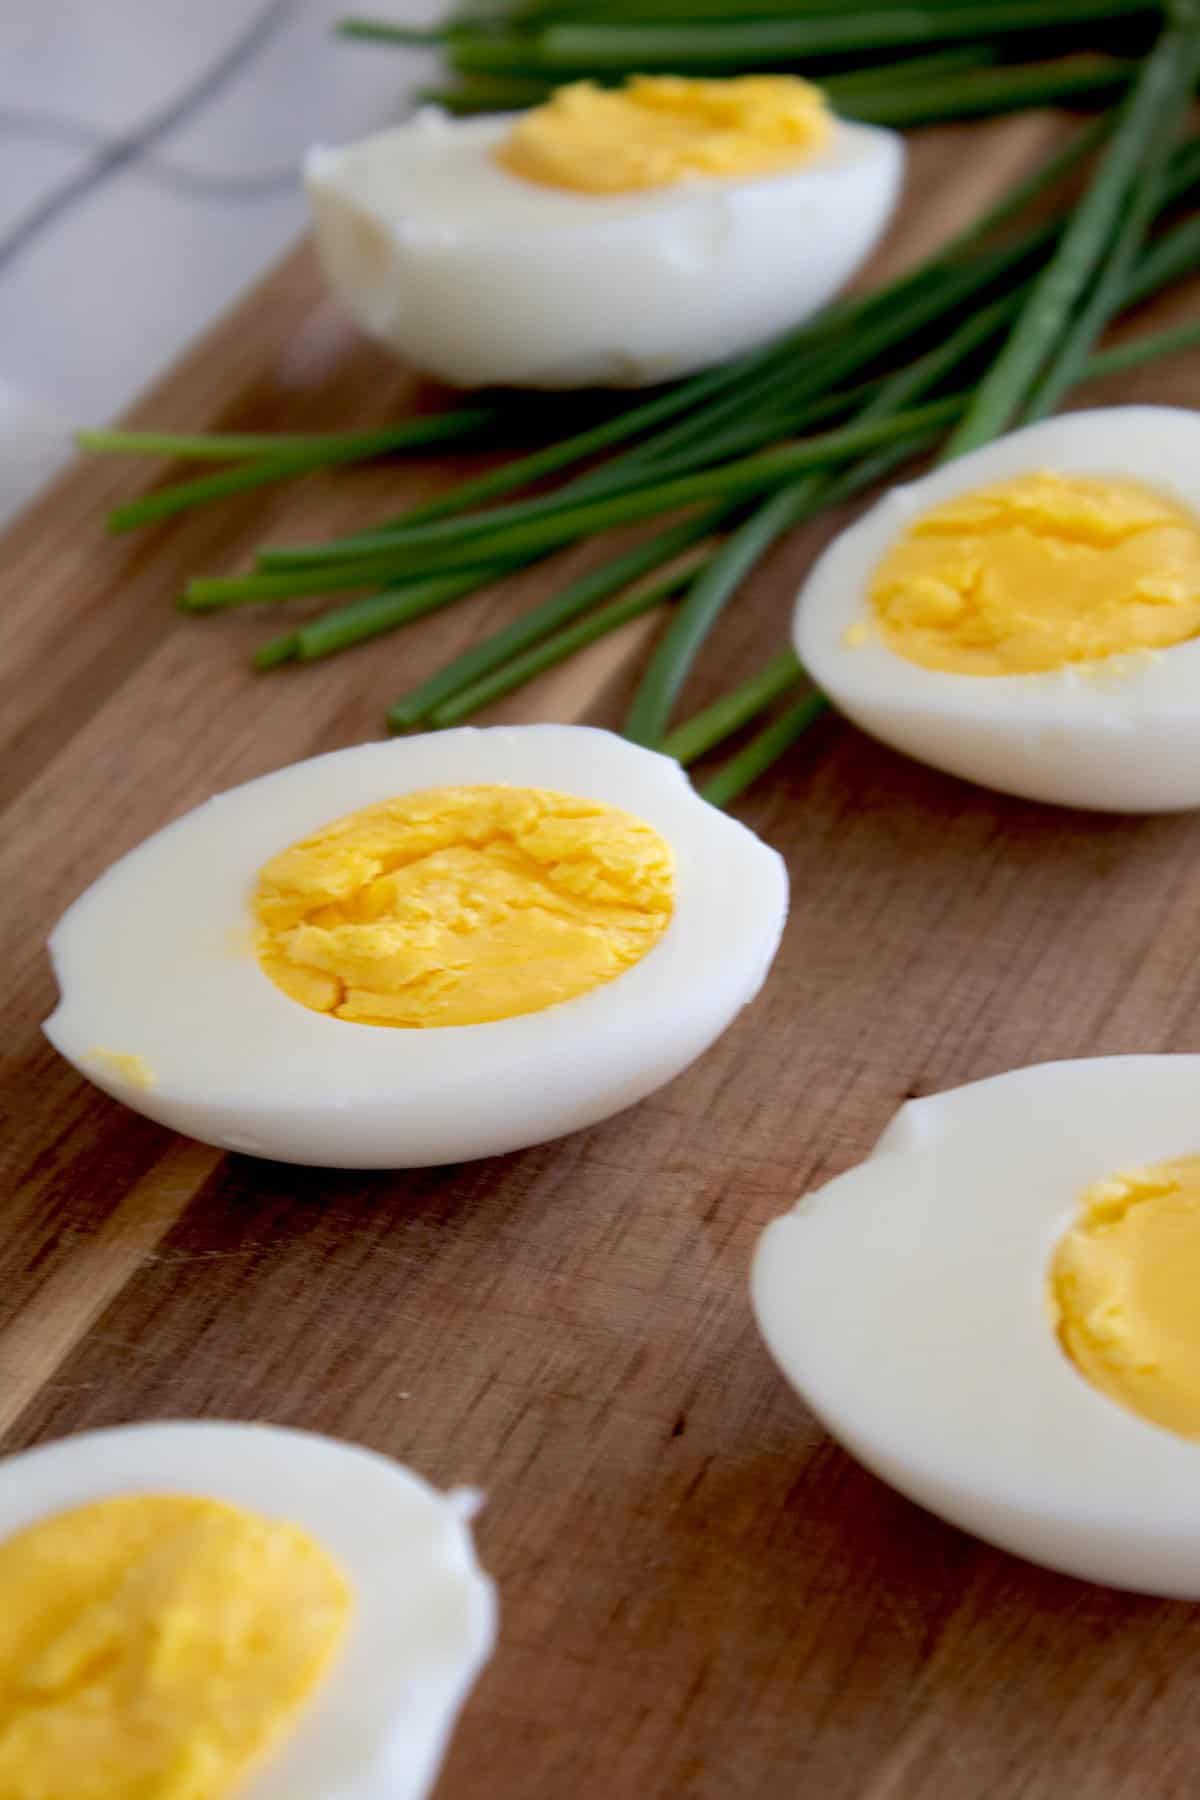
149 156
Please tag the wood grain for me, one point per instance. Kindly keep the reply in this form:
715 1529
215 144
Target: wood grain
702 1596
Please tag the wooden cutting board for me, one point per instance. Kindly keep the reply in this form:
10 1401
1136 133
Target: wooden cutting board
701 1596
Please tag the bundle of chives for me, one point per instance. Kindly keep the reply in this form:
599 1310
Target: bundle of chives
982 93
531 529
968 89
1050 340
532 14
718 39
1154 104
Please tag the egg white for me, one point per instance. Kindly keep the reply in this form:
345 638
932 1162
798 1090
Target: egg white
425 1618
156 960
1120 733
907 1303
474 274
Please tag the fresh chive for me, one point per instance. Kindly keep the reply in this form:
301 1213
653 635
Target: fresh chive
283 465
1108 290
704 730
518 474
1134 353
914 68
373 613
669 666
214 594
764 749
511 93
674 656
512 531
1169 258
553 650
989 92
498 94
758 43
1183 171
527 15
278 651
233 446
380 31
1005 388
532 15
585 592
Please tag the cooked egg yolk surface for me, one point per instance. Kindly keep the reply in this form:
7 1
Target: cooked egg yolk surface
457 906
659 129
1125 1288
152 1647
128 1067
1039 572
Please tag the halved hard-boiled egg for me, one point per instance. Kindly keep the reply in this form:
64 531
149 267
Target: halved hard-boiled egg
605 238
1028 616
419 951
207 1609
996 1312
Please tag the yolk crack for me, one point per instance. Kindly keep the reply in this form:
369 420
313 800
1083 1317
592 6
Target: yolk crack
458 906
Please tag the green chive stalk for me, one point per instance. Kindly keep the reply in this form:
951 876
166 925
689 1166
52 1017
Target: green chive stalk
555 649
367 617
763 751
727 714
1160 89
572 49
669 667
560 610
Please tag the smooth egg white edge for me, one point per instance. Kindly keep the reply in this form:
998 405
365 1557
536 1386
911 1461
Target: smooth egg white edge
425 1617
907 1303
184 989
480 277
1118 734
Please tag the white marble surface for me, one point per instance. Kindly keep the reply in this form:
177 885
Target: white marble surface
148 172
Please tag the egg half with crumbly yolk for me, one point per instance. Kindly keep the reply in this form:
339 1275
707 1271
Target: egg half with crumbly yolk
1028 615
997 1313
420 951
210 1611
611 238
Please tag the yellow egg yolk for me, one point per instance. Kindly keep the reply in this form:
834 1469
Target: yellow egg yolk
128 1066
1039 572
659 129
154 1646
1124 1286
462 905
